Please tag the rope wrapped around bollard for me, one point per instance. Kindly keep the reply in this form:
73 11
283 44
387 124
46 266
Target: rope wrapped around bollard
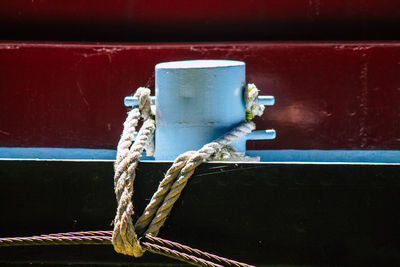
124 237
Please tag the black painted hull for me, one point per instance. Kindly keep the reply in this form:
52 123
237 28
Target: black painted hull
291 214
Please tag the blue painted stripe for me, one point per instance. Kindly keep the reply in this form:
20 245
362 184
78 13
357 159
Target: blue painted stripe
284 155
56 153
316 155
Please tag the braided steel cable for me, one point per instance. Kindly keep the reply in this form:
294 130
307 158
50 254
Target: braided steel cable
153 244
154 248
192 251
84 233
55 239
124 238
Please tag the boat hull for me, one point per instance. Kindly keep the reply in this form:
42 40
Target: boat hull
260 213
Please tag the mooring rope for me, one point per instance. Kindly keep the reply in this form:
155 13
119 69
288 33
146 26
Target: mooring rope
183 168
252 107
124 236
125 239
169 192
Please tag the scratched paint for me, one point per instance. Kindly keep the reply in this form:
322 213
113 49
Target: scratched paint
336 95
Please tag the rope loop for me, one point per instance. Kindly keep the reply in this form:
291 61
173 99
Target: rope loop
125 239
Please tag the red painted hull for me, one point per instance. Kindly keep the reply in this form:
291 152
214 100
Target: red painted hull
328 95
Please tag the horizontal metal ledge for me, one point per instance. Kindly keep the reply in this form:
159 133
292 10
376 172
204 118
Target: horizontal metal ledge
266 156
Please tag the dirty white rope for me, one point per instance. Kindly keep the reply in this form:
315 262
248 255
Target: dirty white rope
158 213
124 237
252 107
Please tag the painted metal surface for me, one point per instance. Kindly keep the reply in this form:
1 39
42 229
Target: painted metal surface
329 95
263 214
199 20
198 101
132 101
57 153
343 156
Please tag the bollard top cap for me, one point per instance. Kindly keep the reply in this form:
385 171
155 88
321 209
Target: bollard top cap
199 64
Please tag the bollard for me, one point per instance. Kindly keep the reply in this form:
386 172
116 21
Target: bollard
198 101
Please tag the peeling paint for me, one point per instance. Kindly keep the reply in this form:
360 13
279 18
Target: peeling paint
225 48
353 47
104 51
9 47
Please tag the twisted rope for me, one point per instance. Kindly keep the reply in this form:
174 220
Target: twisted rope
124 238
252 107
163 188
195 159
170 193
189 160
175 179
183 168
